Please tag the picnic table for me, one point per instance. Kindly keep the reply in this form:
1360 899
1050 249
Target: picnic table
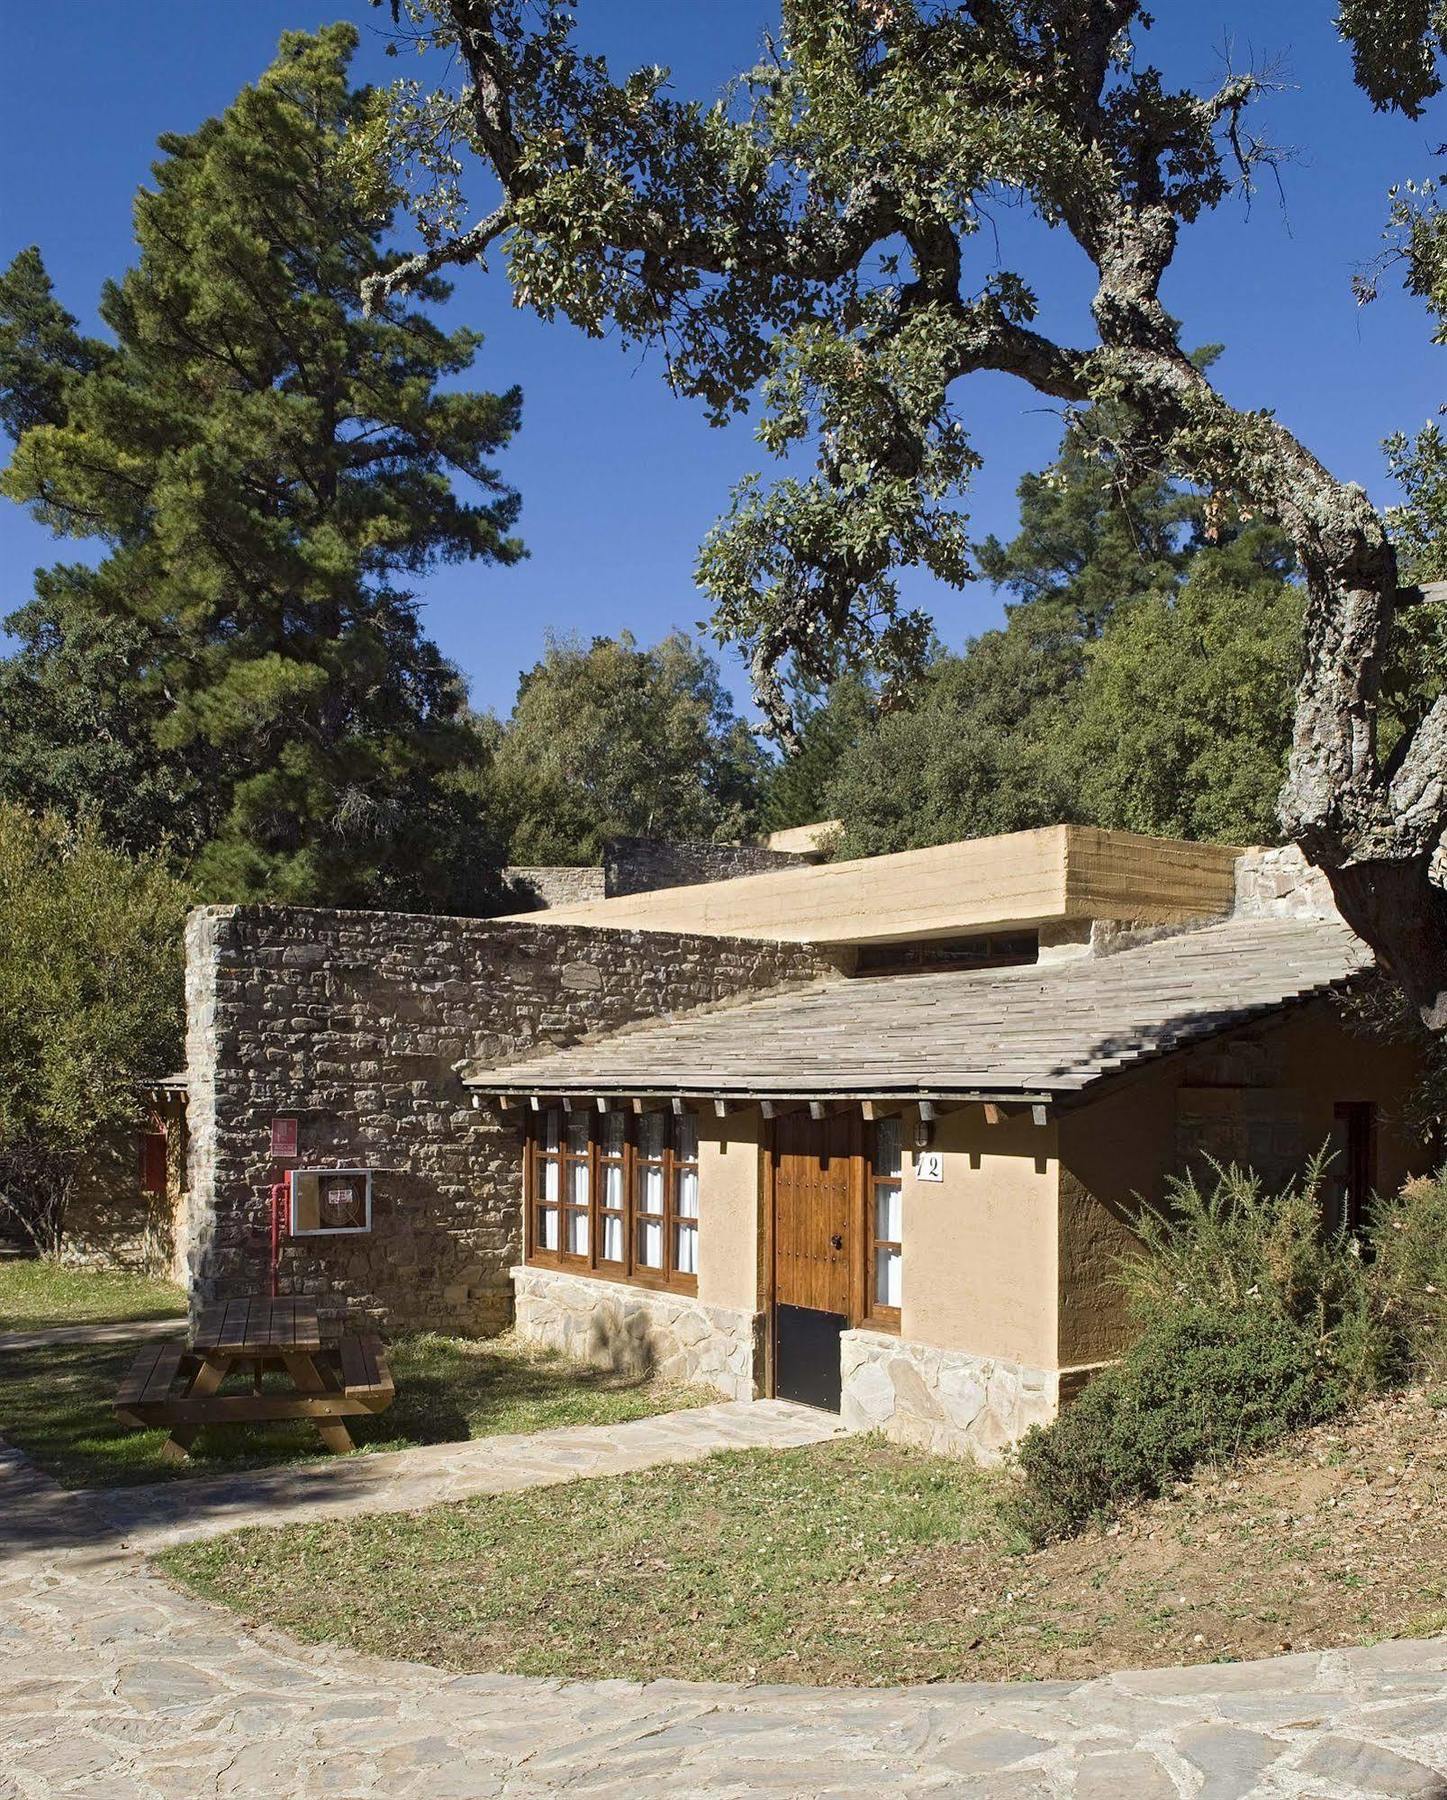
255 1333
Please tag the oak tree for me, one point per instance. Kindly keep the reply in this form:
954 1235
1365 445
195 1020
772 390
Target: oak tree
814 238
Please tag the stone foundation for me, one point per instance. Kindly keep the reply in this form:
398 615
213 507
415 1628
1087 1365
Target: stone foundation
946 1401
637 1330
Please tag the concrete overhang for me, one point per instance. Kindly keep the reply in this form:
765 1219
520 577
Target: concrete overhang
1060 875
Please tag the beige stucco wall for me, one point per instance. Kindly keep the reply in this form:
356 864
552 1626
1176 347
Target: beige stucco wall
1265 1095
728 1204
980 1247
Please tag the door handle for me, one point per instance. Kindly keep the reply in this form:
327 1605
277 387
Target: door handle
836 1242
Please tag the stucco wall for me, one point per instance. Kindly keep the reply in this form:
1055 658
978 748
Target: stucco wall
1263 1097
729 1199
352 1023
980 1246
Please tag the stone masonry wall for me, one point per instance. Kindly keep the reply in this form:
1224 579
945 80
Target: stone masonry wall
945 1401
637 1331
353 1022
553 886
1279 883
639 865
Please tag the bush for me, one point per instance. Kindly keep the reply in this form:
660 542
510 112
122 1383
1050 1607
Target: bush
91 990
1409 1278
1253 1323
1240 1247
1204 1386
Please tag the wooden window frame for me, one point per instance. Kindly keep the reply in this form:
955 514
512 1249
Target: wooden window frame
876 1316
598 1158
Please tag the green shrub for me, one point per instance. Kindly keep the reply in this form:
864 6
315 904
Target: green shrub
1408 1277
1201 1387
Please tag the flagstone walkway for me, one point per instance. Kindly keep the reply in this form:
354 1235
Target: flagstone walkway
114 1686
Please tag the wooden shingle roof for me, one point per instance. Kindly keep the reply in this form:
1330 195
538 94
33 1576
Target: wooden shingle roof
1014 1032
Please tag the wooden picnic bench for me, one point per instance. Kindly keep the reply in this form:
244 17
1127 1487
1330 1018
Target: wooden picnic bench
257 1333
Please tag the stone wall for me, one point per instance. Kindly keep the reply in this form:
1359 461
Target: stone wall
639 1331
639 865
111 1222
946 1401
1279 883
535 889
353 1024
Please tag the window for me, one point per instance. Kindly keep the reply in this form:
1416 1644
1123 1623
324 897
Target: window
884 1274
615 1194
153 1162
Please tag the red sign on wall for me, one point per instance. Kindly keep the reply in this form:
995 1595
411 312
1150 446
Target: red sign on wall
283 1137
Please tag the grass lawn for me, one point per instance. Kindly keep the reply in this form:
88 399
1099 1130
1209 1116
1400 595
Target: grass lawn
56 1405
40 1293
857 1562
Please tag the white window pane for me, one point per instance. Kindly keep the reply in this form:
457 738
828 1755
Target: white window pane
650 1243
685 1249
685 1137
652 1134
888 1213
613 1186
688 1193
577 1234
887 1277
549 1184
547 1230
611 1249
578 1183
548 1127
611 1133
577 1131
650 1190
888 1147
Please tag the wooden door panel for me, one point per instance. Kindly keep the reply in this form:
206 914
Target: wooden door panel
814 1212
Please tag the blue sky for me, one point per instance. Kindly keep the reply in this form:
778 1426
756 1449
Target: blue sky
619 480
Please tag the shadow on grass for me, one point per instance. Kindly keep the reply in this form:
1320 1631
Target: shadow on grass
57 1405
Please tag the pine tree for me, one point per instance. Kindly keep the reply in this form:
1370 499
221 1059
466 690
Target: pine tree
266 464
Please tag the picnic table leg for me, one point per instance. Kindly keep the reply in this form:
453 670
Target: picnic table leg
308 1379
208 1378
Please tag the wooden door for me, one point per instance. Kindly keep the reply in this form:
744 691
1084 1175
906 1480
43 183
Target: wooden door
814 1212
815 1178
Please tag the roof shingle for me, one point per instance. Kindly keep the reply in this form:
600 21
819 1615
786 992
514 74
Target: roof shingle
1034 1030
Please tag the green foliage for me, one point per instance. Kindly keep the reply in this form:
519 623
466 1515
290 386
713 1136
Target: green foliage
1144 679
609 740
1396 45
90 1002
1253 1322
79 716
41 351
265 464
1182 723
1237 1247
796 790
974 753
1201 1387
1409 1275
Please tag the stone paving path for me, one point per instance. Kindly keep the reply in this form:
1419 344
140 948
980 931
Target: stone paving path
124 1332
113 1684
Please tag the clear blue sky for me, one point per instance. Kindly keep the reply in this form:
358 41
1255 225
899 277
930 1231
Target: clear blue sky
619 480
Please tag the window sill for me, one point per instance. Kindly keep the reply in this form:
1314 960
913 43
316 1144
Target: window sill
619 1277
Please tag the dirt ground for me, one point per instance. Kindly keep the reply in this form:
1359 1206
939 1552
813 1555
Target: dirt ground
1339 1537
